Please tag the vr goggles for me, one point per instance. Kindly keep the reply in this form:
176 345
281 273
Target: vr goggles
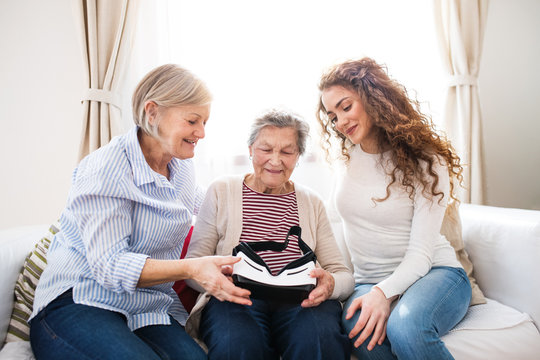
292 283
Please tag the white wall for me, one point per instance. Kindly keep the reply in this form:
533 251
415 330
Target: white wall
509 86
41 77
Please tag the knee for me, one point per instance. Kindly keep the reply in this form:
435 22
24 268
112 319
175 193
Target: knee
230 332
405 329
348 324
194 353
324 329
319 344
363 353
323 322
236 343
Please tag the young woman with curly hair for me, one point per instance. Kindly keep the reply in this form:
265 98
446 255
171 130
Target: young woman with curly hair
399 176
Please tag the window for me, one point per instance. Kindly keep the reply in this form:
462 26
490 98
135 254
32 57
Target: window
255 55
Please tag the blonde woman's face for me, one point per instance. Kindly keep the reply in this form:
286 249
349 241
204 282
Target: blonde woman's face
346 112
180 128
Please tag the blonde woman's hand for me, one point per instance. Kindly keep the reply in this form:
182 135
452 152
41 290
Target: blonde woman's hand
227 270
323 290
208 272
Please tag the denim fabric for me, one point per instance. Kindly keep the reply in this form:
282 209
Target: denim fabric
427 310
267 330
65 330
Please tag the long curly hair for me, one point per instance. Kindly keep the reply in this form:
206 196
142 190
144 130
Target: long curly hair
399 125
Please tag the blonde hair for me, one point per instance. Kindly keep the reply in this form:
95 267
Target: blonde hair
167 85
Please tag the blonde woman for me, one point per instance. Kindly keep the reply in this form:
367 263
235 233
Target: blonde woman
107 290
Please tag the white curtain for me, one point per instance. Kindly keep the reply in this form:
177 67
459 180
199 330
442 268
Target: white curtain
460 28
106 31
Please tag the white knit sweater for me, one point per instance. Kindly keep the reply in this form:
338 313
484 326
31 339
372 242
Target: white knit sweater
395 242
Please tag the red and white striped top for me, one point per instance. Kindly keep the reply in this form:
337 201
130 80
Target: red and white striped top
268 217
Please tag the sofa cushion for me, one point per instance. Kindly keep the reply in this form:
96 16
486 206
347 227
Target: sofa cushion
17 350
504 245
452 230
15 243
26 285
187 295
494 331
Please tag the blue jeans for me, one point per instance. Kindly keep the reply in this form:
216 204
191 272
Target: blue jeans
427 310
267 330
65 330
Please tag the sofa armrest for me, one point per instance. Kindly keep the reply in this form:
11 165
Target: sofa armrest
504 247
15 245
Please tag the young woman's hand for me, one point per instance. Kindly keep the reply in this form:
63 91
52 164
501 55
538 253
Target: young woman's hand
211 272
323 290
375 310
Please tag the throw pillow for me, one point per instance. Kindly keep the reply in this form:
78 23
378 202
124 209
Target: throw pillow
451 229
187 295
35 262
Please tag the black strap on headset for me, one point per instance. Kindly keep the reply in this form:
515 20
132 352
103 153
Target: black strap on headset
251 248
280 246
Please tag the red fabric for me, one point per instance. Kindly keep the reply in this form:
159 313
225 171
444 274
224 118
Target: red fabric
187 295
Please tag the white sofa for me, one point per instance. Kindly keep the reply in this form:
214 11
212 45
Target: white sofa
503 244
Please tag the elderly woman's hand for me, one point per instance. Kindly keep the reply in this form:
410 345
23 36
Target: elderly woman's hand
323 290
208 271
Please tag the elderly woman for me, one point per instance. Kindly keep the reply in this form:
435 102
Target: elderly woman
107 290
262 206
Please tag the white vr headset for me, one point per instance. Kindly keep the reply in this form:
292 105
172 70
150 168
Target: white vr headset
291 284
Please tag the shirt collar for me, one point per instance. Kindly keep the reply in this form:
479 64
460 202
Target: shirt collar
142 172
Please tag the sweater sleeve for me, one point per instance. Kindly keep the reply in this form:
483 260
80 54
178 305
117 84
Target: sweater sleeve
205 234
199 197
329 256
425 229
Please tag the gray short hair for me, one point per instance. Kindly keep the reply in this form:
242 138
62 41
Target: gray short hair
281 119
167 85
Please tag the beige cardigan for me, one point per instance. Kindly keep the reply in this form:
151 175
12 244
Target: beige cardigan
219 225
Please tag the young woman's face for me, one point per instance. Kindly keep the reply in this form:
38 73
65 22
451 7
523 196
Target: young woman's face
346 112
274 156
180 128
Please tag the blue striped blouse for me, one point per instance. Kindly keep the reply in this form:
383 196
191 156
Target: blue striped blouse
120 212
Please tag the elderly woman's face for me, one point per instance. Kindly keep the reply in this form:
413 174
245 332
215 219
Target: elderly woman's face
180 128
275 153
